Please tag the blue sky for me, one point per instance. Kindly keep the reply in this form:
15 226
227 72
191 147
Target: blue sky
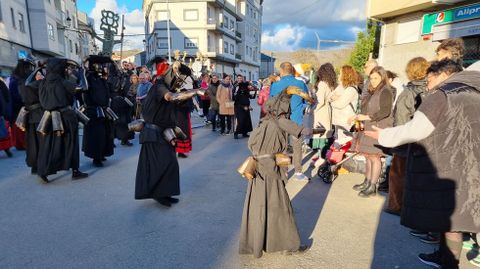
287 25
88 5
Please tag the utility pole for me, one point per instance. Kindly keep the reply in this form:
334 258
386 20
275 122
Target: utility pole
168 34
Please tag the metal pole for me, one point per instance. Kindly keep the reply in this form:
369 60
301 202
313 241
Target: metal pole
168 34
121 40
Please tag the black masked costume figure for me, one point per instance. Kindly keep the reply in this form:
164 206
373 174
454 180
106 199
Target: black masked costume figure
122 105
98 132
59 149
158 174
268 222
242 110
30 115
17 84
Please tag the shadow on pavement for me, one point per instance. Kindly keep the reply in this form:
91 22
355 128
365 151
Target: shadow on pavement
309 201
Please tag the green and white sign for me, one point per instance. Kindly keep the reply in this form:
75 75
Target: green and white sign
449 16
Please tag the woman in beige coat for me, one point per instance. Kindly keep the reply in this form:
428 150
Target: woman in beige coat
327 82
226 104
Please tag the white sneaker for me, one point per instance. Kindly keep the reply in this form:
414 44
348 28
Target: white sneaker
300 177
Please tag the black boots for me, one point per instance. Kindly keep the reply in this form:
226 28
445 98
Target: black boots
76 174
44 179
361 186
369 190
166 201
97 163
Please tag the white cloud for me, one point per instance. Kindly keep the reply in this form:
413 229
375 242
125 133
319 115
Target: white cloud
355 30
134 22
313 13
287 38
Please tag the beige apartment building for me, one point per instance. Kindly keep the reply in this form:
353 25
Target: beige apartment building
413 28
228 32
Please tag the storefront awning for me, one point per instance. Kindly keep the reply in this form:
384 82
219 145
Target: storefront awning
458 29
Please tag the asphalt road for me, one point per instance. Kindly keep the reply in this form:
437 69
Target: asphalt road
96 223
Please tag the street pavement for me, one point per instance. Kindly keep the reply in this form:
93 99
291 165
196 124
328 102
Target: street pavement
96 223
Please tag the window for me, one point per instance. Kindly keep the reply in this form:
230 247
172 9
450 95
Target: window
232 25
225 46
51 33
21 22
191 43
13 18
408 31
76 48
162 15
232 49
210 43
225 24
74 22
190 15
1 17
162 43
70 45
250 51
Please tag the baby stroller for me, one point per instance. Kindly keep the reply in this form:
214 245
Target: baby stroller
335 157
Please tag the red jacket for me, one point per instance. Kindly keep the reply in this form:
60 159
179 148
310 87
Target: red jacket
204 86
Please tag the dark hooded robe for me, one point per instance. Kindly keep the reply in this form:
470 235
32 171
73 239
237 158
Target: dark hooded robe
158 173
98 132
119 86
242 109
16 85
268 222
57 94
30 96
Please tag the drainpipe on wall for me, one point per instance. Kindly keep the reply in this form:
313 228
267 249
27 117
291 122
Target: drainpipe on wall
29 26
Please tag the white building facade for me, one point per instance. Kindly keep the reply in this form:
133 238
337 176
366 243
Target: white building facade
211 27
251 31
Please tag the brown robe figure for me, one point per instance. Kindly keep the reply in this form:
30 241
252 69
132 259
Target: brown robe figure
268 222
